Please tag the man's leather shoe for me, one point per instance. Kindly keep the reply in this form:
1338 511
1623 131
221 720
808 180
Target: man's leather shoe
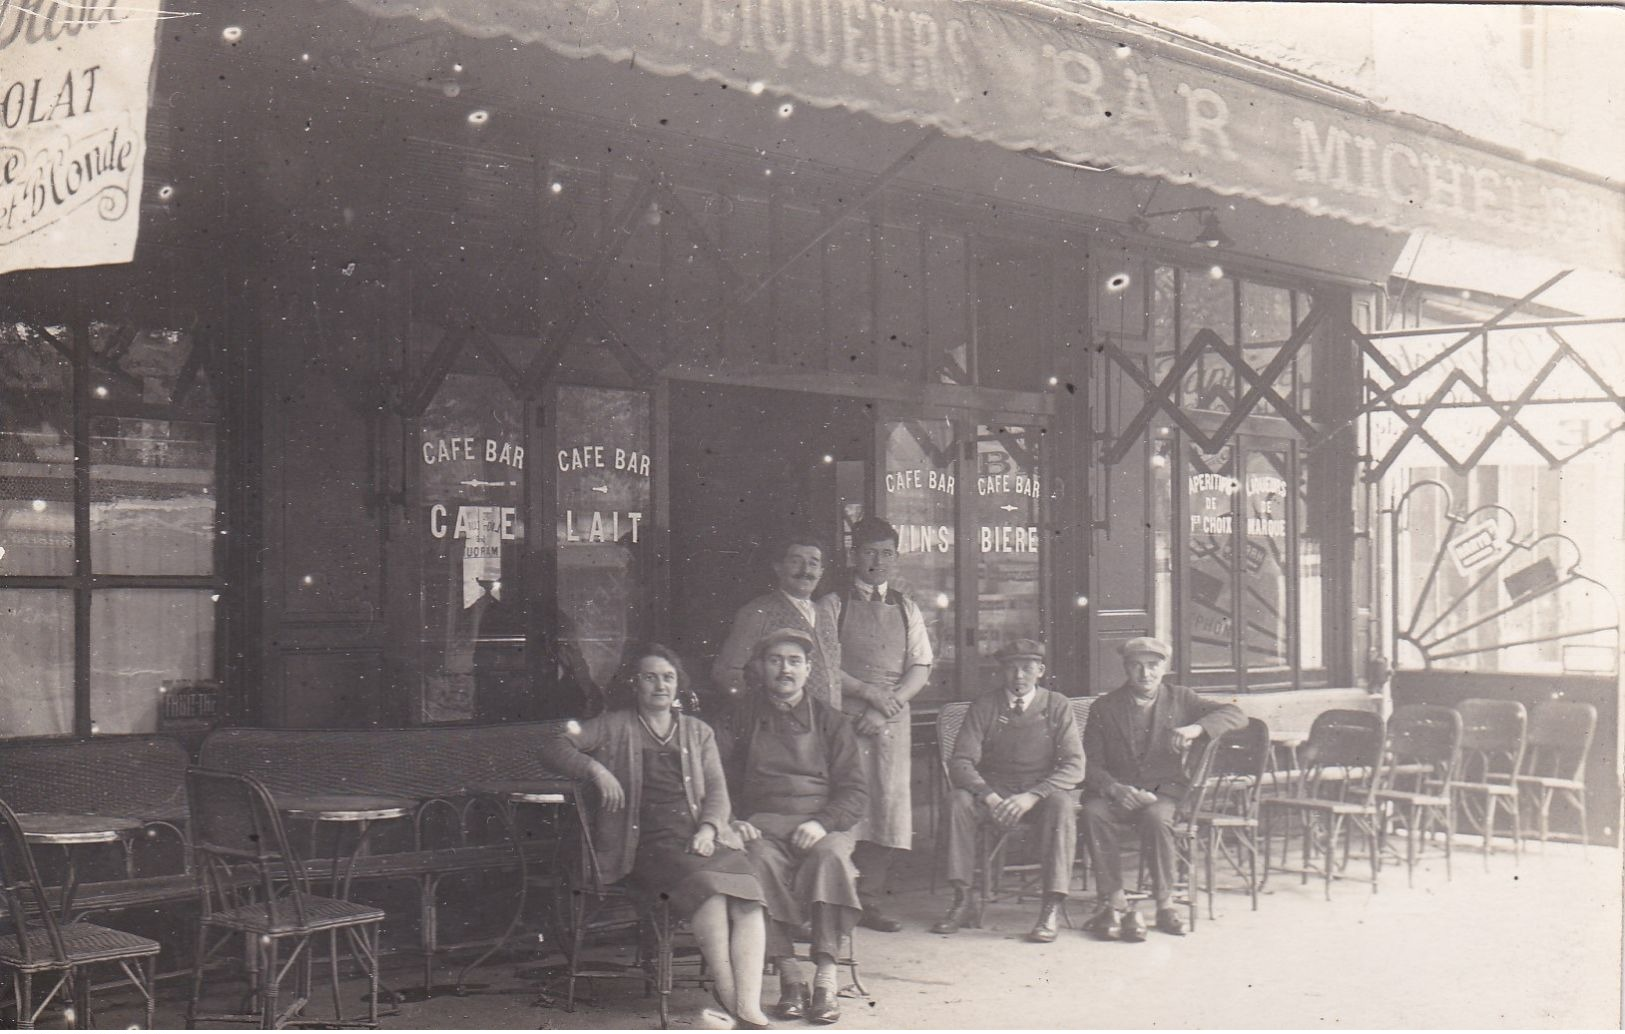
1048 926
1105 924
956 915
875 919
794 1003
824 1007
1133 926
1170 921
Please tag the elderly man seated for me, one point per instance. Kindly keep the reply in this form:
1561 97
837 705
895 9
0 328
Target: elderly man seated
796 776
1018 759
1136 739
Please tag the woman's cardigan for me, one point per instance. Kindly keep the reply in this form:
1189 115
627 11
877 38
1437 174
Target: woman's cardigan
614 740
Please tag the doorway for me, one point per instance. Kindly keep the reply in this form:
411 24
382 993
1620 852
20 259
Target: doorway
747 465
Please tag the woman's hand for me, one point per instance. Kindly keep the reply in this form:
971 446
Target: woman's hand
610 795
704 841
746 832
728 838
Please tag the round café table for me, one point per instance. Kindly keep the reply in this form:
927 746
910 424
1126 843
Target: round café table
74 831
508 798
345 812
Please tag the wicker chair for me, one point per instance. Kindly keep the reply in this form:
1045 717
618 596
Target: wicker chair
1336 793
1560 735
252 888
32 942
1423 759
1492 745
1219 813
991 844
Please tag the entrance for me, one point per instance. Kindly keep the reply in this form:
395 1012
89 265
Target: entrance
748 465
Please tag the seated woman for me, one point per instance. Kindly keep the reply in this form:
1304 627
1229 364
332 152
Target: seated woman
663 820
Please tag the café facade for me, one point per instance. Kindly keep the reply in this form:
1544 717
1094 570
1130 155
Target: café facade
447 347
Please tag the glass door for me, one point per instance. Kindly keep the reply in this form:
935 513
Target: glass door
967 495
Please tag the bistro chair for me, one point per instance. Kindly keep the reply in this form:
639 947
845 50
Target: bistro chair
252 888
1219 813
1492 746
1340 771
599 909
33 942
1554 767
991 843
1423 759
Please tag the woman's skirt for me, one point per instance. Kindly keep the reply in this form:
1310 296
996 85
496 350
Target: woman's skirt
665 868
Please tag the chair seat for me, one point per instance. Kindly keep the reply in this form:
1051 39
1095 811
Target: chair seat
1414 797
1493 789
1321 804
1224 821
84 942
320 914
1552 782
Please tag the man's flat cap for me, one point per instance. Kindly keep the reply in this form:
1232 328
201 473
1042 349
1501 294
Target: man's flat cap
1020 650
783 635
1147 644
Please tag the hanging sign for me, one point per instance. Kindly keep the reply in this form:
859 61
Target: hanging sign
74 81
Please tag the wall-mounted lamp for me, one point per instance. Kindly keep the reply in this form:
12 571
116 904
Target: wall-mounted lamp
1208 235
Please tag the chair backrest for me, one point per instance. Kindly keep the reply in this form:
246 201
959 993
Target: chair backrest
21 888
949 721
1230 773
1343 756
1424 747
240 849
1559 741
1492 739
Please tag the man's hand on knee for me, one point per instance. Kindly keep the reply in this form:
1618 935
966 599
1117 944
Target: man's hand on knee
1009 810
807 834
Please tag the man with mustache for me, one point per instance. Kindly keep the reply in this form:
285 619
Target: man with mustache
1136 739
795 775
796 573
885 661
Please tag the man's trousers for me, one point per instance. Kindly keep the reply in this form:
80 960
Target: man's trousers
1155 822
1052 819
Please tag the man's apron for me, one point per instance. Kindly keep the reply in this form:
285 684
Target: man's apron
874 645
789 781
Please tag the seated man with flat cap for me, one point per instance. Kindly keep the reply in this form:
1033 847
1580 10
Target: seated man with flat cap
1136 739
796 776
1018 759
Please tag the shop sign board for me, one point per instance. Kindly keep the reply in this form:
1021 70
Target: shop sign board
1028 76
74 83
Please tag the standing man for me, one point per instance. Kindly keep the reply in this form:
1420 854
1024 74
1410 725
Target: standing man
798 566
885 661
794 774
1018 758
1136 739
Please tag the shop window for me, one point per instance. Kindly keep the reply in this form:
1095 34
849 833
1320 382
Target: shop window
920 490
146 398
1009 539
36 450
471 458
967 498
603 532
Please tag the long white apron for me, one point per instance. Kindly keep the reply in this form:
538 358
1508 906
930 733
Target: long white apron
874 643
